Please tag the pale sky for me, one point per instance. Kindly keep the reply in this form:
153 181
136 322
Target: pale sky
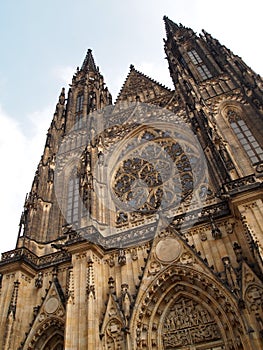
44 41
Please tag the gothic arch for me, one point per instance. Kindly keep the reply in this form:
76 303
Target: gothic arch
239 123
224 112
213 318
49 335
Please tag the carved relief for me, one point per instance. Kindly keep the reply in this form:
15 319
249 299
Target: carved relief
188 323
254 298
111 261
154 267
114 337
187 258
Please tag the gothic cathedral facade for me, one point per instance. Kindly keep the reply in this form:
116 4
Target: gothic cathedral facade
143 228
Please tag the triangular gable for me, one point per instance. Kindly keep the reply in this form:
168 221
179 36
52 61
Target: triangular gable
51 313
139 87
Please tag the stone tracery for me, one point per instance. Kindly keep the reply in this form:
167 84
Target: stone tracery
154 172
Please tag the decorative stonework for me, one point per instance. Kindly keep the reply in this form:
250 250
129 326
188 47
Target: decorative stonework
188 323
167 274
138 181
182 307
114 337
254 298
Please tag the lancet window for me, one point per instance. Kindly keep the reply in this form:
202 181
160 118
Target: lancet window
79 112
73 200
201 67
245 137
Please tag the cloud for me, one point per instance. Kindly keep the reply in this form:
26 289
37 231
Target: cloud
20 155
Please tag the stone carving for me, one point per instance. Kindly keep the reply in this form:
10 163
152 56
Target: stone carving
70 287
239 183
254 298
229 227
230 275
111 261
125 302
39 280
187 258
154 267
122 257
90 279
114 336
203 235
188 323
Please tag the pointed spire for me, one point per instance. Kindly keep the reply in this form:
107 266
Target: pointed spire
170 26
89 63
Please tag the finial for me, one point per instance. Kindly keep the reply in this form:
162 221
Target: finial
132 67
89 63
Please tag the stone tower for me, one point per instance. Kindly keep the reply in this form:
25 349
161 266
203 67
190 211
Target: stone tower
143 228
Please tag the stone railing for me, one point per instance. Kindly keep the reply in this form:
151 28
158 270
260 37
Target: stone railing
241 184
32 259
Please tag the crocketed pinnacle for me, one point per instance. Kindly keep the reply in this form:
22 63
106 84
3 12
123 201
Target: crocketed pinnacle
89 63
170 26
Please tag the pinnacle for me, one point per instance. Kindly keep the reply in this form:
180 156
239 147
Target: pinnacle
170 26
89 63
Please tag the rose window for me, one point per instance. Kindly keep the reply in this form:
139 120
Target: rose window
153 173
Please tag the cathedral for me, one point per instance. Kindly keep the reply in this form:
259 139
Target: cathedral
143 228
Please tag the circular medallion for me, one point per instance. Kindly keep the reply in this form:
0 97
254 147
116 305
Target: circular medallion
51 305
168 250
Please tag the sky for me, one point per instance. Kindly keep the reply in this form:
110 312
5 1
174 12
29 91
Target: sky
43 42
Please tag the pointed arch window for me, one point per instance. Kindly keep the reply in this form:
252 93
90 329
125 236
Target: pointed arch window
245 137
73 200
79 112
201 68
76 208
79 105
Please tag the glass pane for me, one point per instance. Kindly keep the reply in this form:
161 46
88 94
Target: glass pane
241 122
244 127
258 150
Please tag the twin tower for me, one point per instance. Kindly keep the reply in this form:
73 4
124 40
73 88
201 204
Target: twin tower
143 228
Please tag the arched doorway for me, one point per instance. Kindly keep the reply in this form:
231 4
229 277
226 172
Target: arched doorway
185 309
49 335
